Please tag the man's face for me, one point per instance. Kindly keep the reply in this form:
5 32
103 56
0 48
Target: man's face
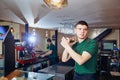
48 43
81 31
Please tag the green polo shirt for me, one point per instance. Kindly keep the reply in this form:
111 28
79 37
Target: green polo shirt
91 47
54 52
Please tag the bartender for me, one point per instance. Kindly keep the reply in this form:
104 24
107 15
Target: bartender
51 53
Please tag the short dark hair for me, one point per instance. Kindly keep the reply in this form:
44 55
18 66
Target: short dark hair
81 23
48 40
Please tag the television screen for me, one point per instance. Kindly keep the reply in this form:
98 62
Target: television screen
107 45
3 32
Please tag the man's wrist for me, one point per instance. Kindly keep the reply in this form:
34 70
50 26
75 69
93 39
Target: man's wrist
67 48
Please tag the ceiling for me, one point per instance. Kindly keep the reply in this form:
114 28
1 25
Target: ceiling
98 13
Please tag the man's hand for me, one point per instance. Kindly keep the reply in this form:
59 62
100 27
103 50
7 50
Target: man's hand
65 42
68 41
73 40
42 55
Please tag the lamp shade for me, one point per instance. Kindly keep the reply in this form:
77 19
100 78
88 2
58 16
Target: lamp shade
56 3
12 29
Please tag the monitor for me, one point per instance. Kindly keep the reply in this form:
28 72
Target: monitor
3 31
107 45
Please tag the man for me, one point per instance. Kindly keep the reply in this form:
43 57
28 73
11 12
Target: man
83 51
52 53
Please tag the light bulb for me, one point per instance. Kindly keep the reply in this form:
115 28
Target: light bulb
56 1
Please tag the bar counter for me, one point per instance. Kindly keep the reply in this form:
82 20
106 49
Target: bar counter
61 72
25 75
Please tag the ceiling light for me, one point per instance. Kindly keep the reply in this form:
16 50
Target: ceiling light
12 29
56 3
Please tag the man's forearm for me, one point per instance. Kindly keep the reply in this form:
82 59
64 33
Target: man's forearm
65 56
77 57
